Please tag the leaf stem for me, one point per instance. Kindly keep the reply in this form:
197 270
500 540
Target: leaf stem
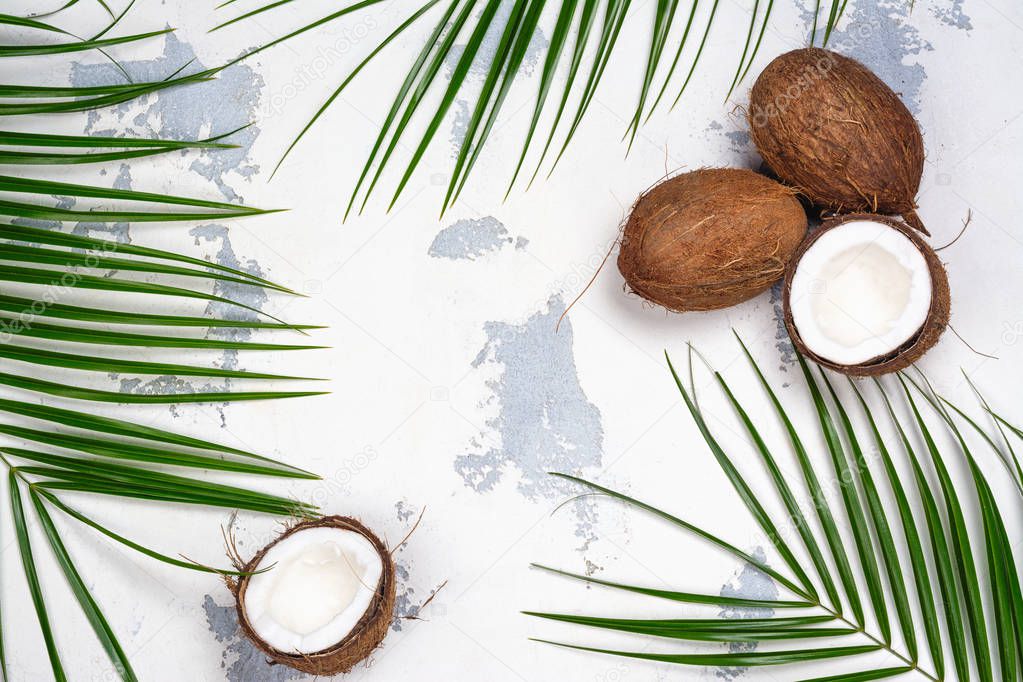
915 665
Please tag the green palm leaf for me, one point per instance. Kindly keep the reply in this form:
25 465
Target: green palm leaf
882 674
180 563
746 493
696 530
31 575
685 597
1005 583
89 606
52 450
20 305
817 496
971 588
708 630
787 496
117 449
77 46
470 20
879 524
961 546
56 332
921 576
65 390
736 659
853 505
50 358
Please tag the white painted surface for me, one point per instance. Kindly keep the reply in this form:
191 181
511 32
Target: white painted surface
422 346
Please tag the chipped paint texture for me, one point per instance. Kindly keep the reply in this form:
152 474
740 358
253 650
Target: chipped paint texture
242 293
544 422
480 67
951 14
118 232
748 583
405 603
469 239
242 662
206 109
201 110
782 342
879 34
739 139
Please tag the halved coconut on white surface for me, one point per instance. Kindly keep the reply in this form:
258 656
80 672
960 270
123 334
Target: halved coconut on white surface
324 599
865 295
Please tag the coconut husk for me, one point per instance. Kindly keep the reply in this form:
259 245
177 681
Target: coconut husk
364 637
710 238
829 127
910 351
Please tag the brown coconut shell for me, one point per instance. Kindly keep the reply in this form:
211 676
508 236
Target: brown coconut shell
829 127
364 637
710 238
910 351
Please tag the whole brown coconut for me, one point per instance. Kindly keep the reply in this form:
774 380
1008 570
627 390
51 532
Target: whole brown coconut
710 238
363 638
909 352
829 127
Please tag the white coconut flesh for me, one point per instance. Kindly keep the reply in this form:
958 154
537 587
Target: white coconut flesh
860 291
322 582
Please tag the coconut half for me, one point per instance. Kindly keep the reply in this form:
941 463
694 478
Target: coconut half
324 599
864 295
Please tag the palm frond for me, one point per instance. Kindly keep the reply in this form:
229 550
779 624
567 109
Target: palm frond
89 606
76 46
818 498
1004 580
846 479
470 21
921 578
973 589
60 329
180 563
961 546
31 574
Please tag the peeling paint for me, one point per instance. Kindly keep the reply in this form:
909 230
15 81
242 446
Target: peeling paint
879 34
739 139
951 14
469 239
241 661
205 109
748 583
782 342
544 421
480 67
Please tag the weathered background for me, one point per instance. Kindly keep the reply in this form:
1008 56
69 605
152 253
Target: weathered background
453 394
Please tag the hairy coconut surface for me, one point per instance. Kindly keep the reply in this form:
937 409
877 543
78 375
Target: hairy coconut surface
361 640
912 349
829 127
710 238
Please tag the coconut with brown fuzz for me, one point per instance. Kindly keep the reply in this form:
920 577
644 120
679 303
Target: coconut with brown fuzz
829 127
710 238
865 295
320 597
